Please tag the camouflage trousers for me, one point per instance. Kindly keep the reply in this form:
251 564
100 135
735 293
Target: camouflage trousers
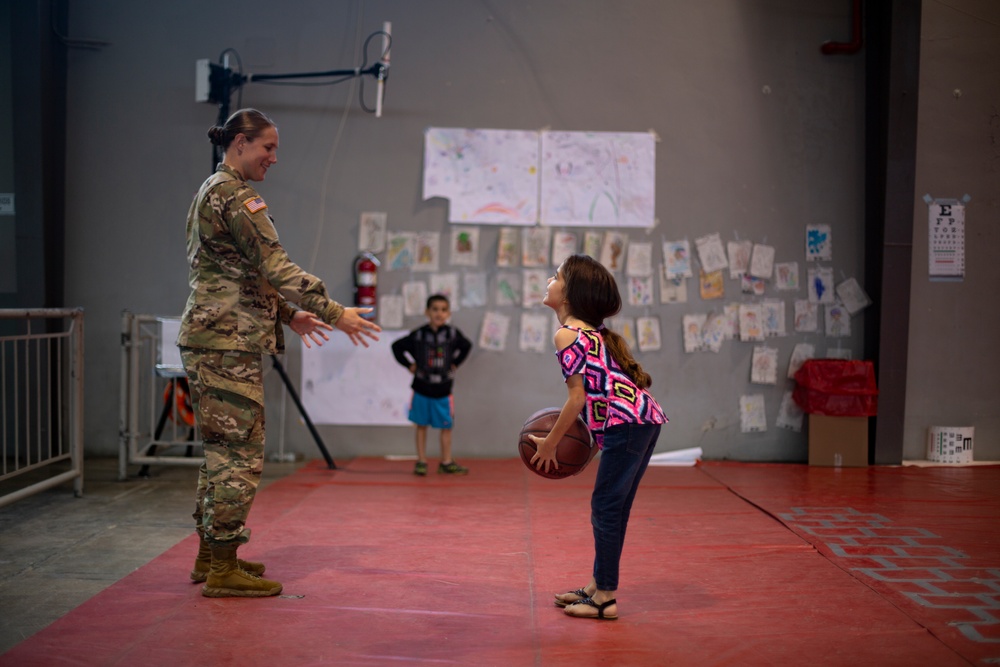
227 394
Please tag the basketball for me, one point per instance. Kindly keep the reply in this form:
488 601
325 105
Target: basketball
573 452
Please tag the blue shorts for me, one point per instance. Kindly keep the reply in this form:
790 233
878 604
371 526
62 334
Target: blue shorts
436 412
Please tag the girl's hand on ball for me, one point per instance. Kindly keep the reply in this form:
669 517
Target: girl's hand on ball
544 455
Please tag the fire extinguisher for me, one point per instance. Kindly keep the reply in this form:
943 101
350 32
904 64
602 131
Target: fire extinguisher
365 280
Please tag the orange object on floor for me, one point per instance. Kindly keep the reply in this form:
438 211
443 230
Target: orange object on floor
724 564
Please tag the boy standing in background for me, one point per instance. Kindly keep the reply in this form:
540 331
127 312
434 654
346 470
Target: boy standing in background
435 351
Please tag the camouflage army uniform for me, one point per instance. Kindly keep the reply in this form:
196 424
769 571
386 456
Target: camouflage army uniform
242 283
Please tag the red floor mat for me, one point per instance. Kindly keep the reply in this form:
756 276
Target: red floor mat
383 568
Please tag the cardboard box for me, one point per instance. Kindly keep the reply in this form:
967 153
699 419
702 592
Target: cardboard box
841 442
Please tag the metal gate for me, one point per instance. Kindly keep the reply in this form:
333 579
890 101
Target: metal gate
41 398
155 424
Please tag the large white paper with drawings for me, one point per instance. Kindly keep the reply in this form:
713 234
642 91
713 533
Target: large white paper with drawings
348 385
600 179
488 176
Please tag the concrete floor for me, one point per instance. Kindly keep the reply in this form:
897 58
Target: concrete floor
57 551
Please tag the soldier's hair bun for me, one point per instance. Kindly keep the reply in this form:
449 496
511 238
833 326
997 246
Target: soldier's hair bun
248 122
217 135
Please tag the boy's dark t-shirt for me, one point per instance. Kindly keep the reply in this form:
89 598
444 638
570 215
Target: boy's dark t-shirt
434 353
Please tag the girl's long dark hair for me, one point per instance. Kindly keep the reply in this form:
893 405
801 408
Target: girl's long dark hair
593 296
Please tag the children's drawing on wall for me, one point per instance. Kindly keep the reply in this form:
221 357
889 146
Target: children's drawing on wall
625 326
488 176
428 251
739 257
806 316
605 179
762 261
390 311
677 259
819 244
640 290
773 322
474 289
465 246
753 419
751 285
786 276
801 353
563 245
401 250
751 327
717 327
672 290
508 247
640 259
493 334
852 296
712 285
732 324
534 285
839 353
613 251
508 289
535 332
821 284
693 326
838 321
764 366
592 242
535 246
414 297
648 333
371 231
711 253
789 413
446 284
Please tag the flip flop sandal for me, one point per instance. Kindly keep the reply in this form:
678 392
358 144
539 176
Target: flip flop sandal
589 602
580 593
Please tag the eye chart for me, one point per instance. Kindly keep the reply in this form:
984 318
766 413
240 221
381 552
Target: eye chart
946 240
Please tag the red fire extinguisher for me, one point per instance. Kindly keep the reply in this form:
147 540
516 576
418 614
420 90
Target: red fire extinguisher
365 280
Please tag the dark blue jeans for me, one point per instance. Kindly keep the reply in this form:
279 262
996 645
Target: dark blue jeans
626 453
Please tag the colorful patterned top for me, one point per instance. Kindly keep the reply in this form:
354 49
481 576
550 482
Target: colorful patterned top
612 397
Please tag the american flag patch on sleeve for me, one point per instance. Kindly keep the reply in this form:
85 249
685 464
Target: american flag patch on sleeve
254 205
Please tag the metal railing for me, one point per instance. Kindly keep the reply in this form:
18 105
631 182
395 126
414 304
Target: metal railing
152 427
41 398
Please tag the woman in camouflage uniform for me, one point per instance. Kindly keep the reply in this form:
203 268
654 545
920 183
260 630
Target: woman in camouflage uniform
243 286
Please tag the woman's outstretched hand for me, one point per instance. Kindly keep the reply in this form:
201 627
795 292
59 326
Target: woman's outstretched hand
309 326
357 327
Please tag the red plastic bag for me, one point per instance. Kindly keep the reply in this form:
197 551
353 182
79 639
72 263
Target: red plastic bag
837 388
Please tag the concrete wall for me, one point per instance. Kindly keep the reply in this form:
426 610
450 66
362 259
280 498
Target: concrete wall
953 374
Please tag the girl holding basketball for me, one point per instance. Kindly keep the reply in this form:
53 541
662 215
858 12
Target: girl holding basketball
609 389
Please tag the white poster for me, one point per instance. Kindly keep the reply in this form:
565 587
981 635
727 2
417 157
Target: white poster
946 240
356 385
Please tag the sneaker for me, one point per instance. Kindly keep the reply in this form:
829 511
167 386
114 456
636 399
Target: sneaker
420 468
452 469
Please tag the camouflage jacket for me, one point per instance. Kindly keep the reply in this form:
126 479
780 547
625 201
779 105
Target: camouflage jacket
241 278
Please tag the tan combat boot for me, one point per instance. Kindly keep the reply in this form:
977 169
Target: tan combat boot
226 579
204 561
